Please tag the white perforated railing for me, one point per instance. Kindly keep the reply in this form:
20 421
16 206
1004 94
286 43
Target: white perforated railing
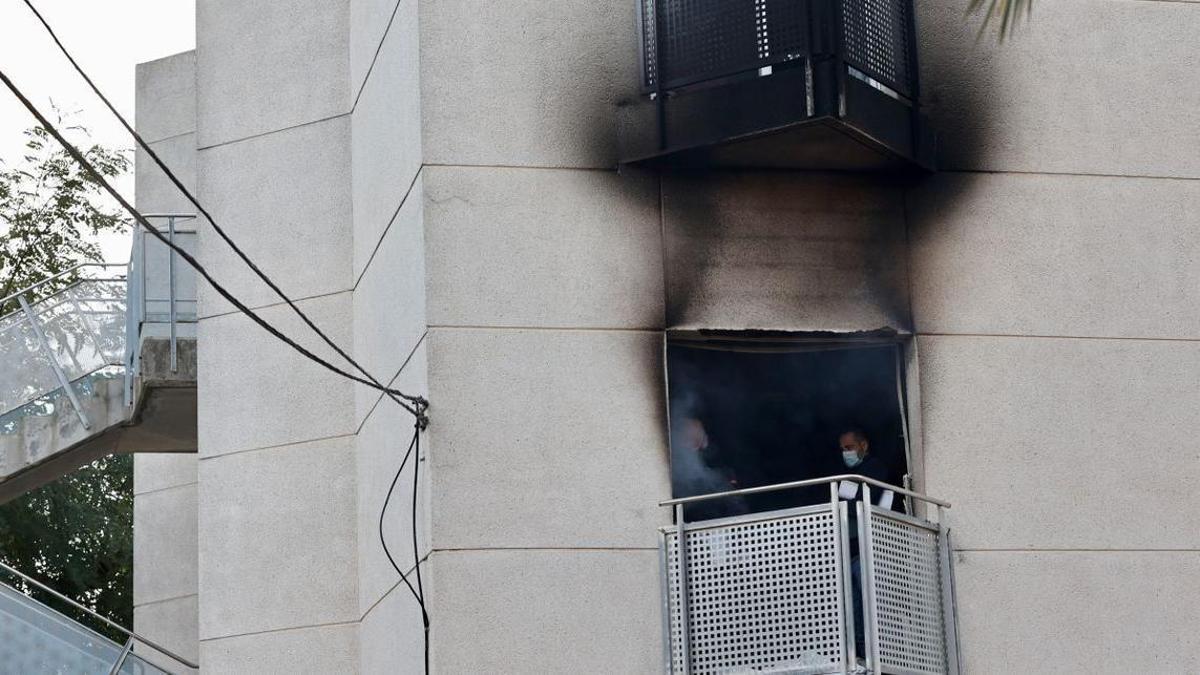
61 332
781 591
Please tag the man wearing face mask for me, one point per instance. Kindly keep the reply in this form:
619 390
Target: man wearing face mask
857 459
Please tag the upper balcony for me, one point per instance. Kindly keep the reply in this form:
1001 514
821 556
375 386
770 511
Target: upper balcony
799 84
847 585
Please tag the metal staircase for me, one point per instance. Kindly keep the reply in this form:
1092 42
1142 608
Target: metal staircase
36 639
96 360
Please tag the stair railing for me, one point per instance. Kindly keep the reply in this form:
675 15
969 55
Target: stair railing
132 638
36 302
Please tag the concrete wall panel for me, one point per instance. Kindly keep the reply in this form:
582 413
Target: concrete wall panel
389 302
391 634
265 66
526 83
784 251
514 247
256 392
548 438
289 560
547 612
1107 613
1078 89
285 199
172 624
1063 443
323 649
165 558
380 447
1056 255
154 191
156 471
166 97
368 21
386 135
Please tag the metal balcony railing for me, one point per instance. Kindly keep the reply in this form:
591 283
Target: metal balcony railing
834 84
778 592
161 300
38 640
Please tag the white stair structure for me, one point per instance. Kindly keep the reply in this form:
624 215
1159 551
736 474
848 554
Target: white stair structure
97 360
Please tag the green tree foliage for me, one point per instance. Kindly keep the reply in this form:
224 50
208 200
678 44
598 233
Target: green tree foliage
76 534
51 211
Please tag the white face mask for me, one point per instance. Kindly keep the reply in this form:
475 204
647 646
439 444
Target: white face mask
851 458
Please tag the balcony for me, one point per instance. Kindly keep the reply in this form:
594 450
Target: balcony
781 591
798 84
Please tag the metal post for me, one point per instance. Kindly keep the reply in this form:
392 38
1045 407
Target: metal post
866 570
845 585
949 601
58 371
121 659
171 269
685 627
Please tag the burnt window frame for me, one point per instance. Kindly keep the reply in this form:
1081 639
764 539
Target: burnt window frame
904 360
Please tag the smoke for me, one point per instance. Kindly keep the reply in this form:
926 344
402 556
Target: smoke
755 414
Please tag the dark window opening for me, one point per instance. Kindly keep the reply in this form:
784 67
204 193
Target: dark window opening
751 412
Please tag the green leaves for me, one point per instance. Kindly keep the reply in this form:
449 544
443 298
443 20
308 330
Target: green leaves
76 535
51 209
1007 13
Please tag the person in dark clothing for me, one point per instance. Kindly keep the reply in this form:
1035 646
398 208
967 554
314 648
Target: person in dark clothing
696 470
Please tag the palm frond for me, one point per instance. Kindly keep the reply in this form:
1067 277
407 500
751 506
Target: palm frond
1006 12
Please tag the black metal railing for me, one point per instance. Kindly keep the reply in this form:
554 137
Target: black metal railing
686 42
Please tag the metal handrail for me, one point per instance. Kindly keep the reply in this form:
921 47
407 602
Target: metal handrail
115 626
64 273
805 483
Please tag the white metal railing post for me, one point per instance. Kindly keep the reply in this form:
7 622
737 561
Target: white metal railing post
120 663
685 627
842 556
58 371
867 573
171 299
949 602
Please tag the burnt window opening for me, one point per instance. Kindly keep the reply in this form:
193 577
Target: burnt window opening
747 412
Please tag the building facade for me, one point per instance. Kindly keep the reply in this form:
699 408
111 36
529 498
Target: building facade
437 184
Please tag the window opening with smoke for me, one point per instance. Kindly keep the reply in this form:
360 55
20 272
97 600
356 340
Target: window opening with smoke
746 412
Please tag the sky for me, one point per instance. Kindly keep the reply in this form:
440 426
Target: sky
108 38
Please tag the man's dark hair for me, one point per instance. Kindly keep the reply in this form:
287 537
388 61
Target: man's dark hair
857 431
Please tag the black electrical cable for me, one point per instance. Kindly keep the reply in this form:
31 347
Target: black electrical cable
418 412
419 593
419 403
101 181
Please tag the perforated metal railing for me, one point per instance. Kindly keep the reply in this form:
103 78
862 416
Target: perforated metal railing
690 41
906 593
762 593
876 41
775 592
706 39
59 336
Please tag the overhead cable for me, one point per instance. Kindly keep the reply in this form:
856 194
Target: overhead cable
417 409
419 404
419 591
